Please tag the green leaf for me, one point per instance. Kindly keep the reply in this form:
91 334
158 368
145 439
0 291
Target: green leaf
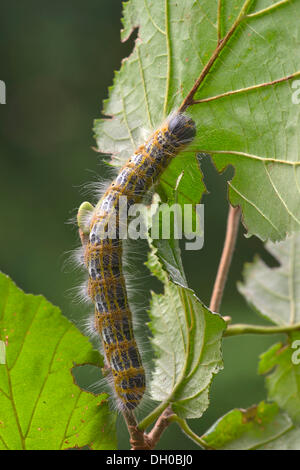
191 186
283 383
187 342
275 292
290 440
254 130
168 253
40 405
157 219
248 429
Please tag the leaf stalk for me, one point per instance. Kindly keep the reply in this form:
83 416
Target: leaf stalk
188 431
233 221
243 329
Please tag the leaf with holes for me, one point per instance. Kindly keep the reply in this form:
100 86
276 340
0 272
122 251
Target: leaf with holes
246 112
283 381
40 405
248 429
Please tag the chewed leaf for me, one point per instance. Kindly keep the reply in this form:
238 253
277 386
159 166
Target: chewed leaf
187 341
275 292
283 381
247 116
248 429
40 405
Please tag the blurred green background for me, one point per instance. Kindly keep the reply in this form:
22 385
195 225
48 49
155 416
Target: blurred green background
57 60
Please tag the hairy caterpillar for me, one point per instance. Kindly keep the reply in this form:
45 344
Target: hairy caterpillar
103 255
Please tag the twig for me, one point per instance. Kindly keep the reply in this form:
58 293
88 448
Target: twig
233 221
142 441
161 424
138 439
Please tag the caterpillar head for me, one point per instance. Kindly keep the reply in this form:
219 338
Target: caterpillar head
182 127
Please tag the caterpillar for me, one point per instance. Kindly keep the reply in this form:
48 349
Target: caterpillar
103 255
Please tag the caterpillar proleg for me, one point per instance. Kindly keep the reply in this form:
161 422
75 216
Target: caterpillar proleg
103 254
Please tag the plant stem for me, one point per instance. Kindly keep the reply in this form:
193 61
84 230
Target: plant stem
142 441
188 431
240 329
233 221
129 418
161 424
152 416
138 440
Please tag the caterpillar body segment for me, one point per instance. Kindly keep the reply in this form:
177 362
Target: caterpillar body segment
103 254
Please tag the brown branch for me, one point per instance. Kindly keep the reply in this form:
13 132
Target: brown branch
138 439
142 441
233 221
161 424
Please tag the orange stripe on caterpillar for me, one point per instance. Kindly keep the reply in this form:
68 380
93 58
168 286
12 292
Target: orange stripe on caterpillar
103 256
